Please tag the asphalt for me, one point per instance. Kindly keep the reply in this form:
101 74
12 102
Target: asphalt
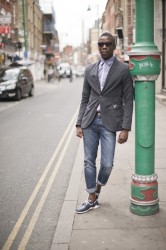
112 226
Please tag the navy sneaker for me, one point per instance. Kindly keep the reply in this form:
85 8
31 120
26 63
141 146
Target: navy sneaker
86 206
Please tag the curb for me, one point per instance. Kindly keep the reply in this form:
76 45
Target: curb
62 236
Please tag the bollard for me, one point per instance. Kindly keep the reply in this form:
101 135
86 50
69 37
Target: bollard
144 63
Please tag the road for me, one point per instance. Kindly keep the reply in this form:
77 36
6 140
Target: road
37 154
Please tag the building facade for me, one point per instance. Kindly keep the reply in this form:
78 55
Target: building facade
160 40
28 32
28 27
50 44
7 39
119 19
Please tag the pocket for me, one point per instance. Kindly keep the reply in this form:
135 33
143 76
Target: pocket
118 110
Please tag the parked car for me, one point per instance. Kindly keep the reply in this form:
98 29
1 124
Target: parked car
16 83
80 71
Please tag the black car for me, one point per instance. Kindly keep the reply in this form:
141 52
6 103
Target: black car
16 82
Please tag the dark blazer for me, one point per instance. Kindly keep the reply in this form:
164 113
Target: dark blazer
116 98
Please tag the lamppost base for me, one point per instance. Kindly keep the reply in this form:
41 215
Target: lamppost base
144 194
144 210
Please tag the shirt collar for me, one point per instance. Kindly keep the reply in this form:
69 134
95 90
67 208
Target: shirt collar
108 61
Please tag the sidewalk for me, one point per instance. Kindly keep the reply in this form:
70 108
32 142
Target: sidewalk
112 226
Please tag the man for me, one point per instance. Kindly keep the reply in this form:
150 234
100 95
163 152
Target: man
50 73
71 75
106 107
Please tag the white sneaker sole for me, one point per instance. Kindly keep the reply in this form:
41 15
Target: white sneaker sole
91 208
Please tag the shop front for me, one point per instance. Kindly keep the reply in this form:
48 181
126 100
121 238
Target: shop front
7 51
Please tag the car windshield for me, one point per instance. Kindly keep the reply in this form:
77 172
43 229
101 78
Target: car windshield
10 74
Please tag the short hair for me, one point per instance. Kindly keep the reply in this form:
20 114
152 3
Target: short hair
108 35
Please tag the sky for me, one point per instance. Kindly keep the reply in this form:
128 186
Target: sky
73 19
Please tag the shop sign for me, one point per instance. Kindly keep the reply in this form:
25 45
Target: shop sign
5 19
5 29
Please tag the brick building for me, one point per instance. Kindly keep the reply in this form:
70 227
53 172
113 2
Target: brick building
119 19
29 19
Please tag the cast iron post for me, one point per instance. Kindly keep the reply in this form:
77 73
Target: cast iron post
24 28
145 68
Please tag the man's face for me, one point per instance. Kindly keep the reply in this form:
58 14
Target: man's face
106 47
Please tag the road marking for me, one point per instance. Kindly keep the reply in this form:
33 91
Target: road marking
38 209
27 207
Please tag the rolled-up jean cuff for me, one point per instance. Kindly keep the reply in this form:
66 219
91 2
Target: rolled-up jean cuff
90 191
101 184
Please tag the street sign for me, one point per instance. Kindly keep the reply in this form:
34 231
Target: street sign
5 29
5 19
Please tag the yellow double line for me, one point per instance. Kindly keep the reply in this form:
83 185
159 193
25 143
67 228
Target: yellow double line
70 130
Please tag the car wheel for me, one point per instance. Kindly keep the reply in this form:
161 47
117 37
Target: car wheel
31 92
18 95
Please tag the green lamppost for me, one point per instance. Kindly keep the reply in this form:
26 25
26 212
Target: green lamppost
145 68
24 28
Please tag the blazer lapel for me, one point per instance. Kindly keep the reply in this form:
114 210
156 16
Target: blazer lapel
94 76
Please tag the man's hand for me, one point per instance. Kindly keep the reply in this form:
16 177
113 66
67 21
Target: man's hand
123 136
79 132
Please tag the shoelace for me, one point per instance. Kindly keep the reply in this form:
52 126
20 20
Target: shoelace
87 202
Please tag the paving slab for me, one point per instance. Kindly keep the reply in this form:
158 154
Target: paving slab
118 239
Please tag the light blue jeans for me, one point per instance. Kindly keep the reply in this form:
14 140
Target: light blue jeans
94 134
